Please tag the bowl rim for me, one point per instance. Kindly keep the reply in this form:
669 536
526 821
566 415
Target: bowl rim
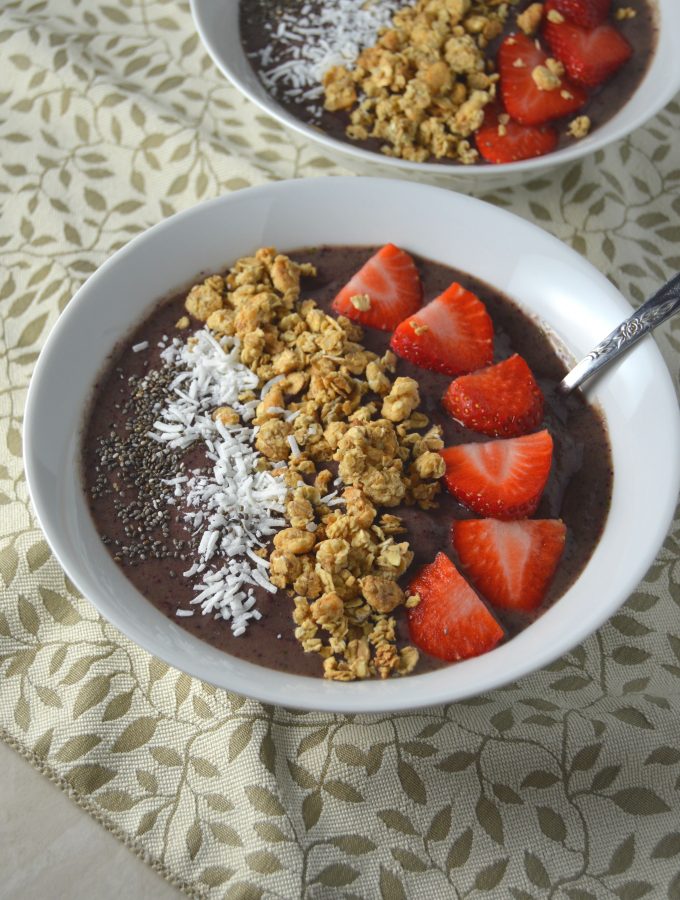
310 692
616 128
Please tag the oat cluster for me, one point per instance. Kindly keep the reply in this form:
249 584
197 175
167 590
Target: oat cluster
350 441
422 88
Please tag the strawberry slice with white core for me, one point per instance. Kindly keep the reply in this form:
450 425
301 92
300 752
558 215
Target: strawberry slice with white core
501 479
451 334
450 622
511 563
532 91
384 291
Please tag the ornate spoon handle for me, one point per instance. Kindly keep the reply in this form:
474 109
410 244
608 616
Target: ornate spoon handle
664 304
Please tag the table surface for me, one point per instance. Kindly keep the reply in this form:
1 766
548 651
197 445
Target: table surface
57 851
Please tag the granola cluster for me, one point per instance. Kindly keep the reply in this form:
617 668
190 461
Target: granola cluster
332 418
422 88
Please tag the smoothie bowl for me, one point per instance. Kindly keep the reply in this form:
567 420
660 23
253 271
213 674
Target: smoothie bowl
462 88
258 482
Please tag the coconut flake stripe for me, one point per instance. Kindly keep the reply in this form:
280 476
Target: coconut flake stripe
232 507
307 39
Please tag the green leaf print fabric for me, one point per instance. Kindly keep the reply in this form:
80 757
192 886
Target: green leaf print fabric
564 785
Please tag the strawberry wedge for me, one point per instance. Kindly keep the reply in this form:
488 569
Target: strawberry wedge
502 140
586 13
450 622
532 94
590 55
510 563
383 292
502 400
452 334
501 479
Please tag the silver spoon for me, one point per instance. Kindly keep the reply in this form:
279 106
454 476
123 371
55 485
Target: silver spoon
664 304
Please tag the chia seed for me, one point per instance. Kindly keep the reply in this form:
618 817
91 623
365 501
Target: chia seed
132 467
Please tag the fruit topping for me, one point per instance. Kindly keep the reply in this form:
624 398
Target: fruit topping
383 292
502 140
503 479
586 13
452 334
533 86
450 621
589 56
501 401
510 563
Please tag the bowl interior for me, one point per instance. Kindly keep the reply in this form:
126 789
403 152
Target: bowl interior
217 24
546 278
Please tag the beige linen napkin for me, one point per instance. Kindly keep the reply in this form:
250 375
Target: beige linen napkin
566 784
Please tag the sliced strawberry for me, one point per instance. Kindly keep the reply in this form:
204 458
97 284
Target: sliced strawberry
384 291
589 56
450 622
586 13
511 563
451 334
502 479
519 58
504 140
501 401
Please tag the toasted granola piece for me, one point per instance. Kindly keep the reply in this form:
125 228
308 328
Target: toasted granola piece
360 510
463 55
386 659
226 415
529 20
285 275
272 439
378 382
470 114
182 323
294 540
221 321
332 554
408 659
204 299
252 348
255 311
384 487
579 127
545 79
300 512
429 465
308 584
394 559
284 568
329 608
339 89
383 594
402 399
271 404
289 360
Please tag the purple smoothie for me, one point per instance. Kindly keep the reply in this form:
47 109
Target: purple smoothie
578 491
255 17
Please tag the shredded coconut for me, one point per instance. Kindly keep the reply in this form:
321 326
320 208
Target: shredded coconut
294 447
142 345
232 508
307 40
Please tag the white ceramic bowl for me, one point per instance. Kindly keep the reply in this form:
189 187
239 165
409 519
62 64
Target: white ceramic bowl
217 24
545 277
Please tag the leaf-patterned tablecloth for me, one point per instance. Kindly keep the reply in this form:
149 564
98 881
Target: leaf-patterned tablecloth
565 785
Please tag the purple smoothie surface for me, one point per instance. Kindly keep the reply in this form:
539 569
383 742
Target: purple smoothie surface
258 26
578 490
